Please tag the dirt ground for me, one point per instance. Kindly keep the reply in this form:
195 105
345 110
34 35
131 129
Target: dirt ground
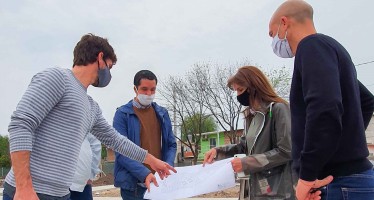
108 180
105 180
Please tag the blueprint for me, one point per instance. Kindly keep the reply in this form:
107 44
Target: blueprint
194 180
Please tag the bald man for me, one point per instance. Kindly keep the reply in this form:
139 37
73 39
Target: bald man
328 115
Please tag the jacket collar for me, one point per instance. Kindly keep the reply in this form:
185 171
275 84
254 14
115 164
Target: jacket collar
128 108
265 108
138 105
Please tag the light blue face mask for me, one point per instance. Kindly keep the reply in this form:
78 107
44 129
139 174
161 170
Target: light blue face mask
281 47
104 76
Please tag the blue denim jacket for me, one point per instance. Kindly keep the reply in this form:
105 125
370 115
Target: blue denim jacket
128 172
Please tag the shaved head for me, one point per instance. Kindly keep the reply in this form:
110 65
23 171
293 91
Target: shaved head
293 20
296 9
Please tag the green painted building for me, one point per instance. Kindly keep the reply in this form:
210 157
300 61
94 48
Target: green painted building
210 140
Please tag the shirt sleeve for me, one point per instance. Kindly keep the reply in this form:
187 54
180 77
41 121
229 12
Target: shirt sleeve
229 150
367 104
324 109
43 93
96 155
112 139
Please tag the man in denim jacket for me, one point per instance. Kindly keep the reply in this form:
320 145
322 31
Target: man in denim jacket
148 125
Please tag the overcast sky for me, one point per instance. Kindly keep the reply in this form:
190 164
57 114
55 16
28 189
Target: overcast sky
165 36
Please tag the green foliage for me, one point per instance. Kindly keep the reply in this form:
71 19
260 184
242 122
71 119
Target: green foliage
198 124
4 152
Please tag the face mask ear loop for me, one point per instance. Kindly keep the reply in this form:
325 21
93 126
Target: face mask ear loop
106 65
278 30
285 36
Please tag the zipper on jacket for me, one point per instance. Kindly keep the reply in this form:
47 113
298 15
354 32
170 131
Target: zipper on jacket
262 126
259 132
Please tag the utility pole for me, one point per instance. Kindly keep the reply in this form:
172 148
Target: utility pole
174 112
179 148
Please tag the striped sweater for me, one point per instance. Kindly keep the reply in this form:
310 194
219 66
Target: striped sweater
51 121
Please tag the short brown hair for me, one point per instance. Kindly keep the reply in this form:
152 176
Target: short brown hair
90 45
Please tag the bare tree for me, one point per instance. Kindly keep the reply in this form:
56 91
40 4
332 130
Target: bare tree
280 78
221 101
218 98
186 99
203 92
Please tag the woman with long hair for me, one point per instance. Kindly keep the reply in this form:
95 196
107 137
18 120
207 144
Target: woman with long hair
266 140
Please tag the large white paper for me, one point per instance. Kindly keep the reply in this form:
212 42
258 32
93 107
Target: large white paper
194 180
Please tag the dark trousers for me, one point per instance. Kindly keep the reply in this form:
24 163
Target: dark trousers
86 194
41 197
9 192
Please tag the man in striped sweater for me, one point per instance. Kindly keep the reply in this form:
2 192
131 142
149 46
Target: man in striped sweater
52 119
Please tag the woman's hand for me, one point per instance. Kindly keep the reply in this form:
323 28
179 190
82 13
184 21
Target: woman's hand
209 156
237 165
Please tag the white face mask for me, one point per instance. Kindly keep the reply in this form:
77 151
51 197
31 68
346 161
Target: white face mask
145 100
281 47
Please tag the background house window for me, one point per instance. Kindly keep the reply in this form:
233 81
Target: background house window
212 142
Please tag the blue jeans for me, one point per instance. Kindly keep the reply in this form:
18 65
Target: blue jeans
356 186
6 197
86 194
137 194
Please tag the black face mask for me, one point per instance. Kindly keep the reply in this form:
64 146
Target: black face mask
243 98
